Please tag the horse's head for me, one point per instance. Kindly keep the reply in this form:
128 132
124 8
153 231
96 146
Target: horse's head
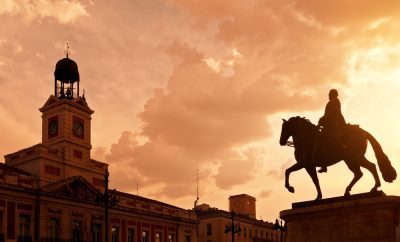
295 126
286 132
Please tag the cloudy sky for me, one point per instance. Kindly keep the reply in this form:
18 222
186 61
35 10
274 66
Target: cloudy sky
184 85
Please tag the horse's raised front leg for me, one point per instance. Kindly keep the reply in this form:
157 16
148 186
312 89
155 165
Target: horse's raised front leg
294 167
313 174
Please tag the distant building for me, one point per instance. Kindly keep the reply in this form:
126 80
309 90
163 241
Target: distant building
53 191
243 204
214 223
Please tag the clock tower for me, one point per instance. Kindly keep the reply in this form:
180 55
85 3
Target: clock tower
66 135
66 115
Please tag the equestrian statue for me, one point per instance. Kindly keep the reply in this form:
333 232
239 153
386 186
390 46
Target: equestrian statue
329 142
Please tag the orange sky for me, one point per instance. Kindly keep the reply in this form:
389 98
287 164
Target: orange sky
181 85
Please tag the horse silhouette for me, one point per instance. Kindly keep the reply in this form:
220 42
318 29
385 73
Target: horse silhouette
308 155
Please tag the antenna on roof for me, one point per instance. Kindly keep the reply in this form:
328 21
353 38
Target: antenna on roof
137 188
197 190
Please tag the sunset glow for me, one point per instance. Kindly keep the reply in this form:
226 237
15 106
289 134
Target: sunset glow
183 85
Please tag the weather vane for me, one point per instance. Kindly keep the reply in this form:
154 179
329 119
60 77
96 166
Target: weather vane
67 49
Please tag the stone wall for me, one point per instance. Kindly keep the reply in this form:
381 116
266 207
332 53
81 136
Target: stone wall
362 217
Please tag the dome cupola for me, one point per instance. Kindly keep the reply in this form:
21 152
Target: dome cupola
66 72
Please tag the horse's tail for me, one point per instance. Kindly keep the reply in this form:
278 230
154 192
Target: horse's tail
388 172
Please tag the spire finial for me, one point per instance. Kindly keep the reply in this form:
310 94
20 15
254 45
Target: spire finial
67 49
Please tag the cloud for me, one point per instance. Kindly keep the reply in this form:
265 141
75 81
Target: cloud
202 118
184 85
341 12
215 104
280 174
17 135
348 13
266 193
150 163
9 50
234 172
8 6
65 11
238 171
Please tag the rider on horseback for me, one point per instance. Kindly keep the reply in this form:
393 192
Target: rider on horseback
333 122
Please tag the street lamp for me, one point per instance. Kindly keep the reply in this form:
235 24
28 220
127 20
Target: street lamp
110 200
233 228
280 227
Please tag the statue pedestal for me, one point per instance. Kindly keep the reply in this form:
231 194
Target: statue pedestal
362 217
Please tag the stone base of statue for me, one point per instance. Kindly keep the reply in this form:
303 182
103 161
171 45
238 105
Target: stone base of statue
368 217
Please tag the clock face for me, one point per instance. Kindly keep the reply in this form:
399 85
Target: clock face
53 127
77 128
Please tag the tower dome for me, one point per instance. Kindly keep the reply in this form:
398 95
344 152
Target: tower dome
66 72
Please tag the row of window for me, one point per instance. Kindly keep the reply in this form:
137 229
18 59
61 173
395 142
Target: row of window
115 234
24 232
23 226
268 235
54 230
96 233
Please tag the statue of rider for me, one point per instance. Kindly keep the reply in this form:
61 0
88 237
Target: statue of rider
333 122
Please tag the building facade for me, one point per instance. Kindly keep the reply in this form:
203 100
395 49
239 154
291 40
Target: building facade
215 225
54 191
243 204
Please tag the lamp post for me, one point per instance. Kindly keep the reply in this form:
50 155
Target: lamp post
109 200
280 227
233 228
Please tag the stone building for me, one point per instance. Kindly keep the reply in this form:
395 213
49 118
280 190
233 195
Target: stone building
215 225
54 191
243 204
